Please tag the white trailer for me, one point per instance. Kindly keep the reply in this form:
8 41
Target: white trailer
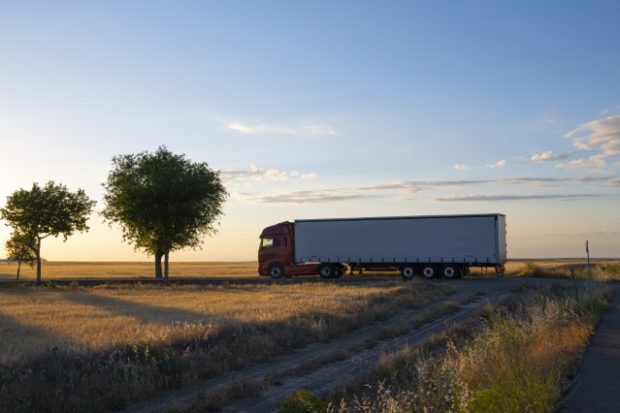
431 245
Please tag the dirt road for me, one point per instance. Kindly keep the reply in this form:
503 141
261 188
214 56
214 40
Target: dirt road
321 367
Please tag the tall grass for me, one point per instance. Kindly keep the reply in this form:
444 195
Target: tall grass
139 341
599 271
519 361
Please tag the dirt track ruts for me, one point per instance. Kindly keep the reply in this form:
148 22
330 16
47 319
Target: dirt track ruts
321 366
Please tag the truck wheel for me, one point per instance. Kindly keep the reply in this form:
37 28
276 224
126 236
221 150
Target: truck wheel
407 271
339 271
450 271
428 271
326 271
276 271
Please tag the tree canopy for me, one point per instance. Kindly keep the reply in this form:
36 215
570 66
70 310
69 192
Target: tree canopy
51 210
163 201
21 248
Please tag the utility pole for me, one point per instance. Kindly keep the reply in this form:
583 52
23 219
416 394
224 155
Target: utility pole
589 270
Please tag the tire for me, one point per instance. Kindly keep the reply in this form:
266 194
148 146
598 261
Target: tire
407 271
340 271
450 272
276 271
326 271
428 272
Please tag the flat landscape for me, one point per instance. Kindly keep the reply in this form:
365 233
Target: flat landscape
155 347
67 270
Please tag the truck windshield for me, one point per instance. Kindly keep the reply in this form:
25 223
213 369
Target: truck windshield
269 242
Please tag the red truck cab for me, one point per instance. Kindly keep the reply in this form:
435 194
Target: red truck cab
276 252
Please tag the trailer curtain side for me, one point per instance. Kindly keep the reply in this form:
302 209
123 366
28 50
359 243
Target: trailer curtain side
462 239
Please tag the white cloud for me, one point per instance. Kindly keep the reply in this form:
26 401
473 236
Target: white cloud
498 165
305 197
266 129
596 161
549 156
601 136
461 167
258 174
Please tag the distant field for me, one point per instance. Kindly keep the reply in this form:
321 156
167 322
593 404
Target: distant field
60 269
64 270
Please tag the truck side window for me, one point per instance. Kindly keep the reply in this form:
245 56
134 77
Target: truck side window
269 242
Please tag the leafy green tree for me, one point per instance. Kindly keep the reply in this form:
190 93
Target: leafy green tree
46 211
21 248
163 202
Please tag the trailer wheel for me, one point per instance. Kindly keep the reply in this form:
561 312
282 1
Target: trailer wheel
326 271
450 271
276 271
407 271
428 271
339 271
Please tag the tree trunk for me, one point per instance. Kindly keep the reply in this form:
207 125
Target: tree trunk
158 265
19 266
38 252
166 264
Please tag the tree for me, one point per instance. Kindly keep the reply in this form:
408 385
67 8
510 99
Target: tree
21 248
46 211
163 202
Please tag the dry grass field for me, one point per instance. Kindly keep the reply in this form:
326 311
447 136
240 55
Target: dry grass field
109 345
64 270
56 270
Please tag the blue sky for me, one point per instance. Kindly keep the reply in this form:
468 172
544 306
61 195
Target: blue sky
319 109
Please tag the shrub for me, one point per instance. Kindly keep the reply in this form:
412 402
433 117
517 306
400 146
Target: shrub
530 269
302 402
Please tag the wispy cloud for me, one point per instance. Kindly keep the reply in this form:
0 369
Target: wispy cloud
498 165
511 197
594 161
268 129
404 189
461 167
548 156
305 197
258 174
601 136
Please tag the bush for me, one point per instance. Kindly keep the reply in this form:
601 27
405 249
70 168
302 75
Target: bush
530 269
302 402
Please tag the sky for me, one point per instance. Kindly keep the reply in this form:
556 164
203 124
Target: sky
318 109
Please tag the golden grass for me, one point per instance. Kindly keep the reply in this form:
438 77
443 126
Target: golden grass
62 269
114 270
97 349
84 319
519 362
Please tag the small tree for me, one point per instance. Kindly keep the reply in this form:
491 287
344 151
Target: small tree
21 248
163 202
51 210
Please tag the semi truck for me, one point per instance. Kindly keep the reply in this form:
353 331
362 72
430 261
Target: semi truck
431 245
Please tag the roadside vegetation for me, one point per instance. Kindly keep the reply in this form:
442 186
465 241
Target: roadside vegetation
97 349
599 271
520 359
